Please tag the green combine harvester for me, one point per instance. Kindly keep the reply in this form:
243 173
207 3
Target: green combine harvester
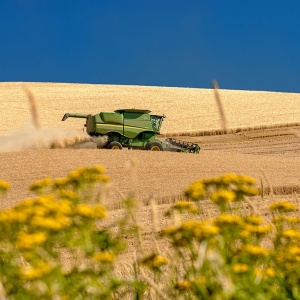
131 128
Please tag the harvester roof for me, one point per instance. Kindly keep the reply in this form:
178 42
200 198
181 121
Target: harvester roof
143 111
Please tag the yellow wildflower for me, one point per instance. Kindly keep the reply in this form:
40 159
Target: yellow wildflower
283 206
293 250
159 261
104 257
291 233
99 212
254 220
199 280
222 196
87 175
49 223
257 230
48 202
30 240
88 211
31 273
240 268
247 190
205 230
256 250
226 219
64 207
61 183
259 272
196 191
170 230
14 216
247 179
40 184
154 261
4 186
270 272
185 205
292 220
183 285
229 178
68 194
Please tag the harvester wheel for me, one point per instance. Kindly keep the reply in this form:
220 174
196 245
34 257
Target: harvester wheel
115 146
154 146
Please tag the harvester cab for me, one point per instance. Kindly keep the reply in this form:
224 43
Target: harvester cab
131 128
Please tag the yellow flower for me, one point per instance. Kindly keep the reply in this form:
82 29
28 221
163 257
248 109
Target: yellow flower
185 205
196 191
48 202
225 219
40 184
283 206
199 280
88 211
170 230
222 196
64 207
13 216
229 178
270 272
253 229
4 186
68 194
87 175
254 220
256 250
159 261
104 257
30 240
291 233
247 190
61 183
240 268
154 261
99 212
293 250
49 223
292 220
183 285
31 273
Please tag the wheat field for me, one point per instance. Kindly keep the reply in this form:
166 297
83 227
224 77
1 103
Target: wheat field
187 109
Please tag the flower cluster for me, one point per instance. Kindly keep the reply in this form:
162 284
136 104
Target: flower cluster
222 190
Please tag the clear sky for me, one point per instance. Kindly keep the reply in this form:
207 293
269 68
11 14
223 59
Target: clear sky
247 45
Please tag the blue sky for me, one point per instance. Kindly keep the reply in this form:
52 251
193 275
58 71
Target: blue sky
247 45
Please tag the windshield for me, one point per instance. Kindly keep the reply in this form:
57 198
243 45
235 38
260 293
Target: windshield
156 122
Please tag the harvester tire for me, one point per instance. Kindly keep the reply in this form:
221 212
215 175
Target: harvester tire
115 146
154 146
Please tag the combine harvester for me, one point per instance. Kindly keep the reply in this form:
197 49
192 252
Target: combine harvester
131 128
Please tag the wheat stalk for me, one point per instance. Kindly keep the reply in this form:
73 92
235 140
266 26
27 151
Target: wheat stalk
220 106
33 107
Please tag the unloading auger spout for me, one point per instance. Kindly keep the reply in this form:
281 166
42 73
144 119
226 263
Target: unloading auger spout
74 115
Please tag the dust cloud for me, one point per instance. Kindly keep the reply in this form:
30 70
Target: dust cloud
31 138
